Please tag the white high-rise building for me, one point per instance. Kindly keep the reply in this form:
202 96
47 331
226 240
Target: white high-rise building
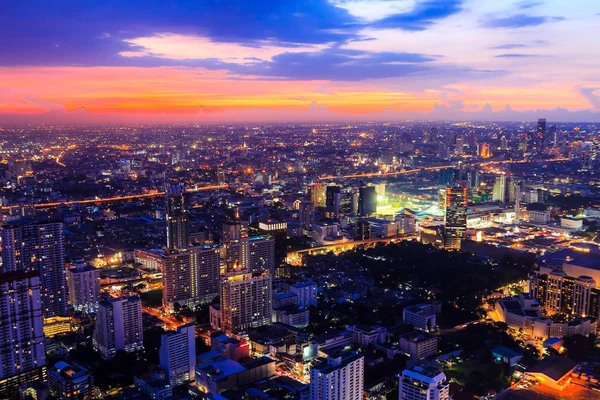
118 326
424 383
245 300
339 377
499 190
83 282
38 247
306 292
178 354
22 356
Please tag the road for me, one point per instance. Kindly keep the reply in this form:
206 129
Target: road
217 187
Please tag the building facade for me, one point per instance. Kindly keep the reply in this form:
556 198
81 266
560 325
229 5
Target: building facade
118 326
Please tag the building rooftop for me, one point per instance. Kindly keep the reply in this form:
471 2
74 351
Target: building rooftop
417 336
555 367
506 352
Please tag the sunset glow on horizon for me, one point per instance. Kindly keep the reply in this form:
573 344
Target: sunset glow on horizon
321 60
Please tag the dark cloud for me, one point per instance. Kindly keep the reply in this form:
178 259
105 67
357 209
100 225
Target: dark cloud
424 14
525 5
518 21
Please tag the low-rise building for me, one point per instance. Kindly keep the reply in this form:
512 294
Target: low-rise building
418 344
68 382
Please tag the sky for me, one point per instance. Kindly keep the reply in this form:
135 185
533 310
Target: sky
110 61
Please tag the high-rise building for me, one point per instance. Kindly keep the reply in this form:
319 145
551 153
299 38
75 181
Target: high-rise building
70 382
424 383
560 294
367 201
354 203
245 300
261 254
339 377
83 282
332 202
118 326
316 194
177 213
499 191
278 231
234 230
455 222
22 356
362 230
540 136
407 222
307 215
39 247
553 136
177 354
190 276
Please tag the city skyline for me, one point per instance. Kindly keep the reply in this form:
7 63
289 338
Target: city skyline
336 60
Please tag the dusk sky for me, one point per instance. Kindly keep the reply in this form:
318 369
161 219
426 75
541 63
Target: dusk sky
234 61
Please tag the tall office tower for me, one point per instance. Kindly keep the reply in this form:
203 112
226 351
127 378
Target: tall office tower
278 231
560 294
22 356
190 276
362 230
234 230
470 178
332 202
245 300
424 383
517 191
367 201
540 136
307 215
261 254
339 377
83 282
587 160
118 326
39 247
455 222
177 217
316 194
354 203
449 176
177 354
553 136
499 190
459 146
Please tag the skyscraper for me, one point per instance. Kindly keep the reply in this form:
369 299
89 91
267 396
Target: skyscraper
540 136
39 247
306 215
424 383
499 191
177 217
234 230
118 326
367 201
84 287
177 354
22 356
190 276
339 377
455 222
332 202
316 194
245 300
